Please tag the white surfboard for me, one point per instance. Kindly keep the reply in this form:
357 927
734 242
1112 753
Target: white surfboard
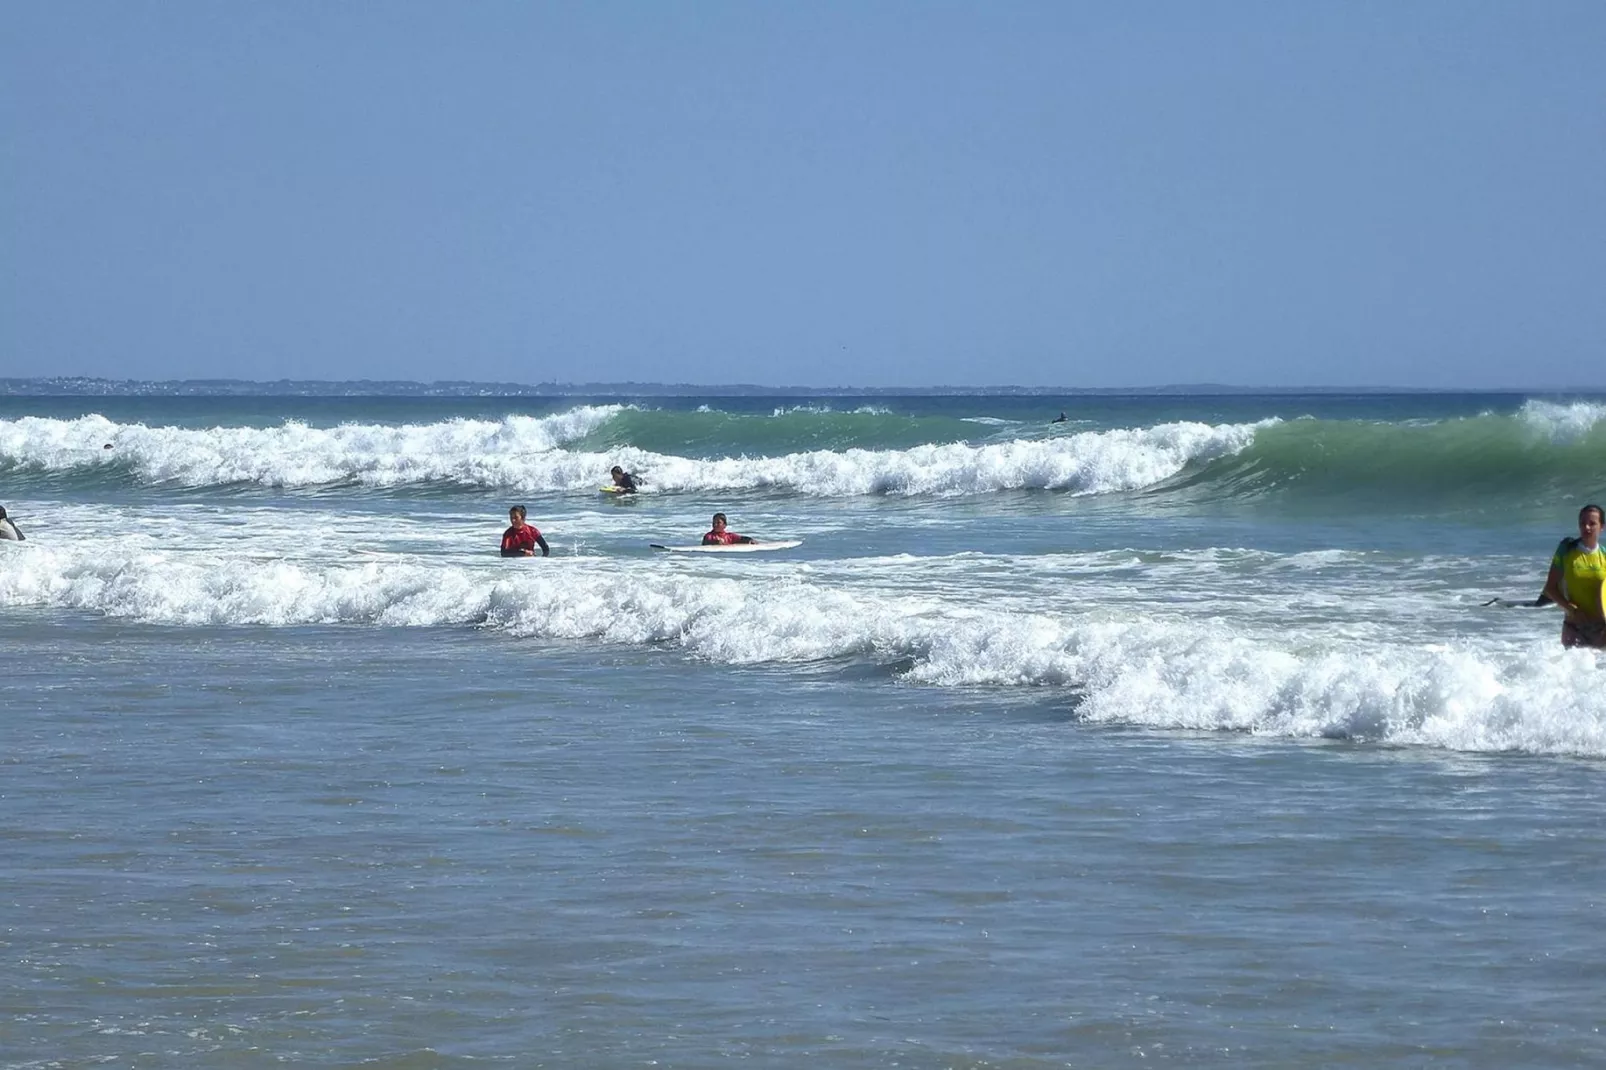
730 548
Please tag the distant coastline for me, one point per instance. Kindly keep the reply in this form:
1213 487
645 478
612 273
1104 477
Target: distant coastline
58 386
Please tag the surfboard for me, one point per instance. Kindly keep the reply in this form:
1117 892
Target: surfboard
611 489
1518 603
732 548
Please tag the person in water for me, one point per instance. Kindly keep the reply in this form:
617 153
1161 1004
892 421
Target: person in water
719 536
521 539
624 480
1058 419
1576 573
8 529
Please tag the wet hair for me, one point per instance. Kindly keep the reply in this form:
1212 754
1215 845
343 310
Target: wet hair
1599 514
617 471
720 516
2 512
519 509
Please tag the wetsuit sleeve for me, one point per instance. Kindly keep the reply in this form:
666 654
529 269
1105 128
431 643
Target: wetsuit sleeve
546 551
509 549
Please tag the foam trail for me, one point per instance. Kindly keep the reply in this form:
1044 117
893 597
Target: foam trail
1151 667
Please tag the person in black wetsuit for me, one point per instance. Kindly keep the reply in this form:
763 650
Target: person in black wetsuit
623 480
8 529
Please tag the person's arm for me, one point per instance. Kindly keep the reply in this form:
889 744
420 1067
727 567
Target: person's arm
546 551
745 538
1552 590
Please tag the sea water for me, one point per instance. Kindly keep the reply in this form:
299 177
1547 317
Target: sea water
1176 733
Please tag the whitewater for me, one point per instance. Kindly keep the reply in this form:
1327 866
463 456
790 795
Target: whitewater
1187 695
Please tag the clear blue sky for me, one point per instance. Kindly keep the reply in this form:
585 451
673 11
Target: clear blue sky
820 193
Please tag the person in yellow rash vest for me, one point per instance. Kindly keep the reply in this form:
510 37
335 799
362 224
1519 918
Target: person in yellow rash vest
1577 572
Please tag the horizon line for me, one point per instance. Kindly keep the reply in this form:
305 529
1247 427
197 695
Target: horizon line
7 384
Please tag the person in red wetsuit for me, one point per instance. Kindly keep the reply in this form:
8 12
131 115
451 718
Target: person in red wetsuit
720 537
521 539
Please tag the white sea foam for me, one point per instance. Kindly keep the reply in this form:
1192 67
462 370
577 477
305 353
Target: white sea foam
475 452
524 454
1563 422
1092 462
822 409
1152 666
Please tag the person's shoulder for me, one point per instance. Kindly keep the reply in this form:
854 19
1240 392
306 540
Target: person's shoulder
1566 550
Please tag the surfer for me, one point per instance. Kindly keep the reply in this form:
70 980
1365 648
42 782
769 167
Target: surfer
1058 419
521 539
720 537
8 529
1577 572
623 480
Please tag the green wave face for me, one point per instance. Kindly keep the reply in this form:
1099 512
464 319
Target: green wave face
712 432
1482 463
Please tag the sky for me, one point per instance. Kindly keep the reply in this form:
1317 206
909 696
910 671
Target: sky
871 194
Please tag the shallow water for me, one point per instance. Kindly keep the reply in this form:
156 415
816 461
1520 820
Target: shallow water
978 776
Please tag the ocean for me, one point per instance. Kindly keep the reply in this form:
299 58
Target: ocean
1177 733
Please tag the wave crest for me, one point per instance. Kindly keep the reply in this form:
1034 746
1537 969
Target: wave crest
527 454
1563 422
1148 668
476 452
